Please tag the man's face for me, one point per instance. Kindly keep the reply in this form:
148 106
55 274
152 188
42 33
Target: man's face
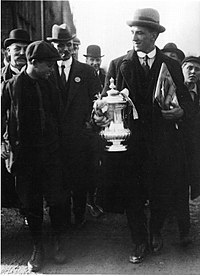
95 62
143 39
65 49
16 53
191 71
173 55
43 69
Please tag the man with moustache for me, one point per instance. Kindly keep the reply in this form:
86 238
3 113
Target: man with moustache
153 167
94 58
15 46
33 134
78 84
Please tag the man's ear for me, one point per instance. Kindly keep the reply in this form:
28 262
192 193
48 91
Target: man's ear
8 51
34 62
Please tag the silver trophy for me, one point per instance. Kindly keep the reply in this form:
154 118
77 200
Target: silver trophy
115 109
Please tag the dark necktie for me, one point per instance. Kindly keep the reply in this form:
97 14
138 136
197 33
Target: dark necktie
63 76
195 97
145 65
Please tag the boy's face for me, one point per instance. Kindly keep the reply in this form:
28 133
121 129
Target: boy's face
191 71
43 69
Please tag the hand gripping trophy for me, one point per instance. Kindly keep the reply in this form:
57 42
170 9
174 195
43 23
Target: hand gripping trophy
116 108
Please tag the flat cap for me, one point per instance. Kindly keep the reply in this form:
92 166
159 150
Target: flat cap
192 59
41 50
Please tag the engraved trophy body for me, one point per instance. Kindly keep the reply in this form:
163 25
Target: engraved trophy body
116 108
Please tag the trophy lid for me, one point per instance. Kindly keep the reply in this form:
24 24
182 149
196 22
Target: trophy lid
114 95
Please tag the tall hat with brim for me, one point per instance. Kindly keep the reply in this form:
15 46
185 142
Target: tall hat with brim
191 59
61 33
147 18
17 35
172 48
93 51
42 51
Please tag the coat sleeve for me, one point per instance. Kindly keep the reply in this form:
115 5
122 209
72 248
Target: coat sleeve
5 107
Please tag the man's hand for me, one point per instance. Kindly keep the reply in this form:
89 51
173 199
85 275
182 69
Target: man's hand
174 113
5 153
99 113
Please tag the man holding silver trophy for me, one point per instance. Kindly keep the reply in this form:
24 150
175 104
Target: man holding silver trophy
153 167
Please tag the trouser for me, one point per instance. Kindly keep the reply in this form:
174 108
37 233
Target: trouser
75 169
123 190
39 175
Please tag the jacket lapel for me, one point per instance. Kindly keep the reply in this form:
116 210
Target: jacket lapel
74 82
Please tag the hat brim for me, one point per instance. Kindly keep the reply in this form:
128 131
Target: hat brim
10 41
144 23
51 39
180 54
93 56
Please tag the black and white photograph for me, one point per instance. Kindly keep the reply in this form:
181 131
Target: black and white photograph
100 137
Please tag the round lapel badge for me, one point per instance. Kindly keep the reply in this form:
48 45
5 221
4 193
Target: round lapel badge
77 79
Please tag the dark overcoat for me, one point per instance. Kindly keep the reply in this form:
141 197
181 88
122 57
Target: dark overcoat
156 143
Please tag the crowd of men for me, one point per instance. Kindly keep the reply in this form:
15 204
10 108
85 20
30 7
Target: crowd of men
51 149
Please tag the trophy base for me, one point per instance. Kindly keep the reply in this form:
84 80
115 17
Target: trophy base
116 147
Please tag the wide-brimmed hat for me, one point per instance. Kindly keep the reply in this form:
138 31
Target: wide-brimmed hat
93 51
146 18
171 47
41 50
61 33
191 59
17 35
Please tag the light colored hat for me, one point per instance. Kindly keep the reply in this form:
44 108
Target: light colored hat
61 33
147 18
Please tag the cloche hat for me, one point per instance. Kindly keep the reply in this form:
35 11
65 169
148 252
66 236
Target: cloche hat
147 18
93 51
61 33
17 35
171 47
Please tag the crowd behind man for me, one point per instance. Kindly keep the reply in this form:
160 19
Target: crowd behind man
49 125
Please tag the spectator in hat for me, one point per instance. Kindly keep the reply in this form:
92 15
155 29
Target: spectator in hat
171 50
94 58
153 167
191 73
15 46
34 139
78 84
76 44
14 58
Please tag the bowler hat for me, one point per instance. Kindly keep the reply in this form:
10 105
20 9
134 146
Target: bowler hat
17 35
76 40
147 18
192 59
61 33
93 51
41 50
171 47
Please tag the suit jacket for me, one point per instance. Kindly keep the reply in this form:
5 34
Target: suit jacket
82 86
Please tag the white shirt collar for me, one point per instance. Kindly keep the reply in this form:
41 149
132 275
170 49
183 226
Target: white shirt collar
67 62
150 54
